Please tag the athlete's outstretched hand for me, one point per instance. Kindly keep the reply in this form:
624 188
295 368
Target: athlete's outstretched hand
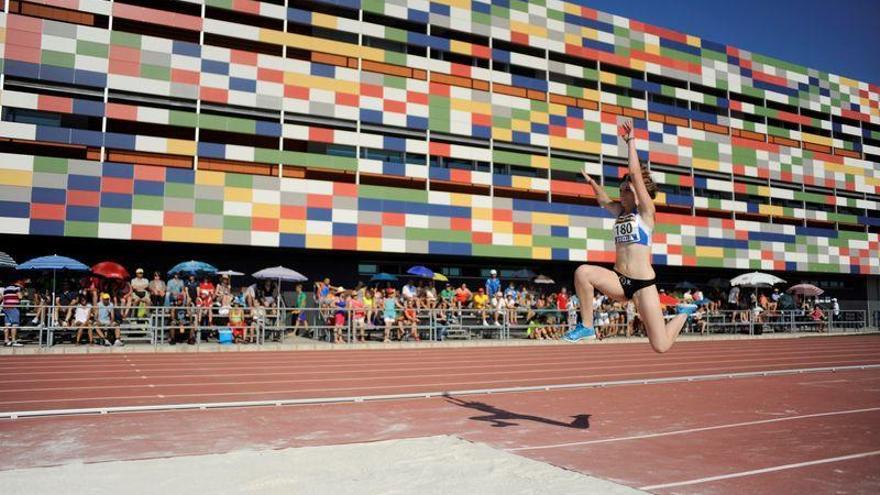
590 180
625 131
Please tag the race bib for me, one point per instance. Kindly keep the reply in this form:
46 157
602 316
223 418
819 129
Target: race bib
626 230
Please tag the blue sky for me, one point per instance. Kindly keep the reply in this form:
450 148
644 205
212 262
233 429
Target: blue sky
841 37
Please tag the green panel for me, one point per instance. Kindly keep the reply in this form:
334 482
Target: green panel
81 229
58 59
557 242
125 39
240 180
178 190
156 72
236 223
209 206
445 235
146 202
91 49
705 150
565 164
382 192
115 215
183 119
745 156
377 6
50 165
501 251
511 158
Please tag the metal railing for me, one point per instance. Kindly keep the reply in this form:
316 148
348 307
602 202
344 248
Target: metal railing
159 325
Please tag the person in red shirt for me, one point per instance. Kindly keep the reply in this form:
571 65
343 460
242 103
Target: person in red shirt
462 296
205 300
562 307
356 305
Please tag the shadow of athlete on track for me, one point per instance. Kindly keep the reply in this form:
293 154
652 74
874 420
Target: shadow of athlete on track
501 418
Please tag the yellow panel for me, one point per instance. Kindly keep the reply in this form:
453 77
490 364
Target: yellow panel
637 64
770 210
210 178
589 33
470 106
521 125
324 20
541 253
591 94
764 191
481 213
574 144
710 252
661 198
502 134
652 49
369 244
558 109
530 29
501 227
456 199
291 226
573 39
571 8
238 194
540 117
181 147
265 210
539 217
461 4
704 164
521 182
521 240
456 46
541 161
318 241
812 138
607 77
187 234
16 177
849 82
321 83
693 40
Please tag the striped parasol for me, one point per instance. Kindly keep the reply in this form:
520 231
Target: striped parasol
6 261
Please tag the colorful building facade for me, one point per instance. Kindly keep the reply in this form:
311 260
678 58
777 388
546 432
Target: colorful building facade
452 127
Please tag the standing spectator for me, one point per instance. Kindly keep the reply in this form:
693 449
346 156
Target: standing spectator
562 305
818 317
493 285
175 288
572 307
140 295
259 315
12 313
480 300
698 295
447 298
511 306
699 320
300 315
390 307
359 324
107 321
157 290
733 298
511 291
82 318
630 317
835 308
341 303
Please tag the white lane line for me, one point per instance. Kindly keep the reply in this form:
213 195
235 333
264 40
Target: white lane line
762 471
695 430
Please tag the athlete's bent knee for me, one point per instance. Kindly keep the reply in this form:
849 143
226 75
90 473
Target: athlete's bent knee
583 271
661 347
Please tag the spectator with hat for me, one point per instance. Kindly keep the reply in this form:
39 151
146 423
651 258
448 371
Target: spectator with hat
107 321
493 285
140 295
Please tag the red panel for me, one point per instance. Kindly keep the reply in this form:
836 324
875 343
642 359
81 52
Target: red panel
146 232
520 38
439 149
439 89
55 103
482 237
522 228
460 224
124 68
689 260
666 158
248 6
343 189
456 175
293 212
371 90
185 76
481 51
416 97
394 106
369 230
83 198
117 185
394 219
23 53
481 119
502 215
214 94
271 75
297 92
348 99
319 201
243 57
264 224
460 70
178 219
121 111
146 172
345 242
321 134
41 211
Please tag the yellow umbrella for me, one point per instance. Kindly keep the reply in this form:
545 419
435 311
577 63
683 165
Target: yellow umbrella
439 277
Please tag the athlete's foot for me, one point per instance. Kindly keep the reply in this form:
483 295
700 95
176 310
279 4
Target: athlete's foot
580 332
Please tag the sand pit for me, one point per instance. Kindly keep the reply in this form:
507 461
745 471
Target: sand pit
431 465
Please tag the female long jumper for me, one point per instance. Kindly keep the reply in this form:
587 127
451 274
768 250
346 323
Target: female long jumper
633 276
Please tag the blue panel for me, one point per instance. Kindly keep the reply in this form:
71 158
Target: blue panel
88 107
415 122
118 170
559 231
813 231
711 45
371 116
558 120
482 8
440 9
119 141
590 23
86 137
521 137
678 200
345 229
14 209
790 266
50 196
83 182
611 170
239 84
56 134
47 227
212 150
392 206
656 137
451 248
89 78
609 139
774 87
722 243
419 16
149 187
770 237
659 259
682 47
481 131
500 55
83 213
323 70
540 128
57 74
369 204
438 173
575 112
215 67
292 240
116 200
393 143
390 168
502 180
418 39
299 16
21 69
528 82
180 175
322 214
598 45
185 48
559 254
268 128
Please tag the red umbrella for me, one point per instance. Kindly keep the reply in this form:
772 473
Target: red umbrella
110 269
667 300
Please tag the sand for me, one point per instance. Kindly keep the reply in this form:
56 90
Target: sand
431 465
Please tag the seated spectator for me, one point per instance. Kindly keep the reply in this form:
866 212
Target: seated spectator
409 291
237 323
511 291
157 290
140 295
174 288
699 320
40 302
411 318
430 297
181 321
191 287
107 321
631 315
205 302
82 319
121 294
480 301
511 307
463 297
499 307
65 302
774 299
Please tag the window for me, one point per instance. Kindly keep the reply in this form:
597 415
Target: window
452 34
457 58
519 70
817 131
243 44
736 114
459 164
321 32
623 71
708 90
155 30
51 119
394 46
667 100
622 91
667 81
572 60
781 106
782 124
506 169
322 7
395 22
517 48
747 99
575 81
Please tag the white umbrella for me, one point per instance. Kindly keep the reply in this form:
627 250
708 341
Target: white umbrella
543 279
230 273
281 274
756 279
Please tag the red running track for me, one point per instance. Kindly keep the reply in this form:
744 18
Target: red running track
778 434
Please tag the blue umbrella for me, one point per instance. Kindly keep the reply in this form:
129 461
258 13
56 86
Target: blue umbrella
193 267
383 277
6 261
702 302
421 271
54 264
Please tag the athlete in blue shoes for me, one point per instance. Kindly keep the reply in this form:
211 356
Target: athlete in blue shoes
633 277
